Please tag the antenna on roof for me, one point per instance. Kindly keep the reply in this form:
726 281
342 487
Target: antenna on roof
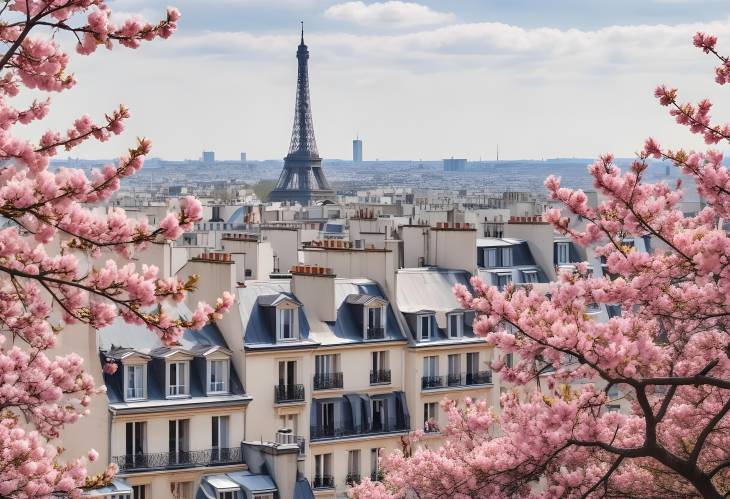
302 31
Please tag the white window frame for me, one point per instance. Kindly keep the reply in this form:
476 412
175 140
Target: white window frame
225 376
490 257
181 445
223 424
563 253
127 367
228 494
459 316
507 256
529 276
507 277
366 318
420 327
185 392
294 324
354 461
430 413
143 488
454 364
427 361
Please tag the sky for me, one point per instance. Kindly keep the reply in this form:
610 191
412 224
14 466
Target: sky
415 80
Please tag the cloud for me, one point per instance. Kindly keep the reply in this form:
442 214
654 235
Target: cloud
389 14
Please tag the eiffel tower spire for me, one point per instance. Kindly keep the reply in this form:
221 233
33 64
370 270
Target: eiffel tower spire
302 178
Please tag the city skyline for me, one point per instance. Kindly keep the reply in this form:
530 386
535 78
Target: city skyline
526 82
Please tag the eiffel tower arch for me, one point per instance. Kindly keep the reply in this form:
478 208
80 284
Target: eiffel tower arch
302 179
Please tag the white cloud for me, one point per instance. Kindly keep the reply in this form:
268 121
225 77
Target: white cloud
389 14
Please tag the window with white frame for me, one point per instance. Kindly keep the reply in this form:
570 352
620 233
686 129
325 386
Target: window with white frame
135 382
529 276
431 366
139 491
266 495
136 438
286 324
456 325
490 257
375 318
430 417
228 494
503 280
563 250
179 438
506 257
218 371
219 432
424 327
178 376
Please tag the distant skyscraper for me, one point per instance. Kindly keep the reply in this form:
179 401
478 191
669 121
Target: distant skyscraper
208 156
454 165
357 150
302 178
243 157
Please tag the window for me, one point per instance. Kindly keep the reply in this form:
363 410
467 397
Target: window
472 362
267 495
490 257
287 372
182 490
139 492
326 364
326 418
286 322
290 421
509 360
218 376
456 325
375 318
375 473
353 466
506 257
454 369
424 327
219 432
503 280
177 379
135 438
563 250
323 471
430 417
529 276
228 494
135 381
378 411
431 366
178 433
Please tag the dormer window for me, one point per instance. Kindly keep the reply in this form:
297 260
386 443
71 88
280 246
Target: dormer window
424 327
286 324
375 322
135 382
456 325
178 379
218 376
529 276
503 280
563 250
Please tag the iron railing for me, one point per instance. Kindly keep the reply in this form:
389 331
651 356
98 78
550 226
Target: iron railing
352 479
288 393
375 333
332 431
326 381
323 482
380 376
431 382
454 379
377 476
183 459
479 378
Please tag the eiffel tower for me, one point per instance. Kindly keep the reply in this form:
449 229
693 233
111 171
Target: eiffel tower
302 179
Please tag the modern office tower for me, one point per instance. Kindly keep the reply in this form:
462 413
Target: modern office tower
208 156
454 165
357 150
243 157
302 179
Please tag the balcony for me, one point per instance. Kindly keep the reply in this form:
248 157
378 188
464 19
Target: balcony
288 393
185 459
432 382
377 476
352 479
375 333
479 378
377 427
327 381
454 379
380 377
323 482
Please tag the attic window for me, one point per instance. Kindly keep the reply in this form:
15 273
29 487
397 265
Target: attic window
424 327
218 376
529 276
503 280
178 379
456 325
563 250
135 382
375 322
286 324
228 494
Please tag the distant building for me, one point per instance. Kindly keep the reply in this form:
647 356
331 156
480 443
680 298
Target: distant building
243 157
208 156
454 165
357 150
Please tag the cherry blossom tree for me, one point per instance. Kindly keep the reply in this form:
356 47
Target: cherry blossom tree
57 240
668 351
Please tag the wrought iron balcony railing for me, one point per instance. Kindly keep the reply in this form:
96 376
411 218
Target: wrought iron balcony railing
454 379
184 459
375 333
377 476
380 376
479 378
326 381
288 393
431 382
377 427
323 482
352 478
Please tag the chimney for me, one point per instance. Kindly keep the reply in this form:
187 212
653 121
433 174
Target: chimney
314 286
